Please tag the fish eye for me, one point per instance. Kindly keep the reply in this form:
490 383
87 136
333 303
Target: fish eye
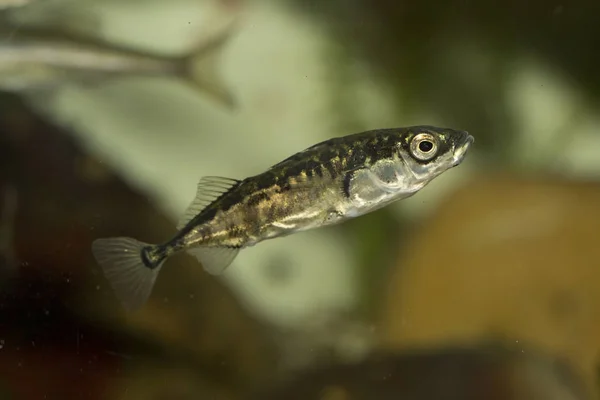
424 146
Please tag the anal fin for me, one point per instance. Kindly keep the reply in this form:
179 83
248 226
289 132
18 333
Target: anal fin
215 260
209 189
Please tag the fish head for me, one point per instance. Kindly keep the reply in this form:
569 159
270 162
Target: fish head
428 151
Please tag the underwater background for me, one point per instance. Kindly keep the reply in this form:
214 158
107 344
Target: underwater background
484 285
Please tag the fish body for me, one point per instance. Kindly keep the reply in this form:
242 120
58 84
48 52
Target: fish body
325 184
39 59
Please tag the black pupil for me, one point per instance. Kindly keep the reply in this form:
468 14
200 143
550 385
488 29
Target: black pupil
425 146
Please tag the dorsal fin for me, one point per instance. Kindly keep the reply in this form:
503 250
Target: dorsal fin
209 189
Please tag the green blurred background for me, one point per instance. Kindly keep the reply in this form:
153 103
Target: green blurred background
484 285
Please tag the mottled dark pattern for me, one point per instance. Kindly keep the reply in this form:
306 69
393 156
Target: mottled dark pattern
346 183
331 161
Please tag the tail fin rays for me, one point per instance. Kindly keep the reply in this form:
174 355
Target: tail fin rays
121 261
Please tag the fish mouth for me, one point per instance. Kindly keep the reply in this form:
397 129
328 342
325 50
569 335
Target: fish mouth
460 152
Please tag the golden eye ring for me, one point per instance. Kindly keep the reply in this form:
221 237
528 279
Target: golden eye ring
424 146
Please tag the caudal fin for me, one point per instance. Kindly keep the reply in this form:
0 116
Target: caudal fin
202 68
123 266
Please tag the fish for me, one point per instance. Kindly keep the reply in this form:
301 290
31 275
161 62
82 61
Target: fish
325 184
36 60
